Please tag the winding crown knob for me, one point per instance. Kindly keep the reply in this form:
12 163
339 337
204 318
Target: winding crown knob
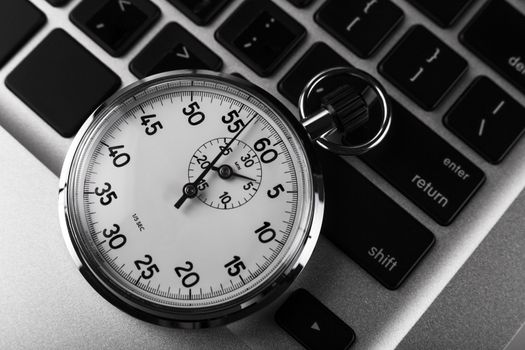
347 107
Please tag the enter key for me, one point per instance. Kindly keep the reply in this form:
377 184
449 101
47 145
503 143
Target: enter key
424 167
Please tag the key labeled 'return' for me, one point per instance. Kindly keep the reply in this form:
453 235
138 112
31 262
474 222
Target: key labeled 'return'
424 167
423 67
487 119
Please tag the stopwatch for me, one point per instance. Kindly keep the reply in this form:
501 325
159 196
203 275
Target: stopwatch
191 199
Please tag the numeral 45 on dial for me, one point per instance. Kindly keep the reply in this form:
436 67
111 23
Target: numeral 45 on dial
154 127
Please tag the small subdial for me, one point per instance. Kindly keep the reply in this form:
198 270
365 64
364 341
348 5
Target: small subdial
233 181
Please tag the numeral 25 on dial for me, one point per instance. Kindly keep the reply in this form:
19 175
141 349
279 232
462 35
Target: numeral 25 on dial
147 267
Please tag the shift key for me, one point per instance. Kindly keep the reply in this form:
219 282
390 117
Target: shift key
424 167
370 227
497 36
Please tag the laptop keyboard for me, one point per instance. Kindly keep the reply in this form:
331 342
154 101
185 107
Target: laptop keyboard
263 36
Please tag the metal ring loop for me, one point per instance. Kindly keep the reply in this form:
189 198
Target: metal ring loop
380 93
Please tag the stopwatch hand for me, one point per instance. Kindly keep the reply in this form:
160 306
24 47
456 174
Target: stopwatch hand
243 177
225 172
190 189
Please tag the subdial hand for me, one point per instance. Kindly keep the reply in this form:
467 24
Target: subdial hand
190 189
225 172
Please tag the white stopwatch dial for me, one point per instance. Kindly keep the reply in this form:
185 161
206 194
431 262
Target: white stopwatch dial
190 198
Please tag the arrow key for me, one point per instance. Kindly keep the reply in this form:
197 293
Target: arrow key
312 324
174 48
115 24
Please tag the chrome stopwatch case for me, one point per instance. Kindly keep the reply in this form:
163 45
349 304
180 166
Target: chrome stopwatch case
191 199
168 255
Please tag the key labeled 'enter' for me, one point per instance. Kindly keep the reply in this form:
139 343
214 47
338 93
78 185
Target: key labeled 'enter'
424 167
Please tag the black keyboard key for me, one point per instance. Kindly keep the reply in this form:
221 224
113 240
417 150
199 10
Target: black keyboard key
200 11
115 24
19 20
174 48
300 3
318 58
58 3
424 167
444 12
423 67
261 35
388 248
497 35
62 82
312 324
361 25
487 119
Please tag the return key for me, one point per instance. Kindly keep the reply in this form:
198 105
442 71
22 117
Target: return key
424 167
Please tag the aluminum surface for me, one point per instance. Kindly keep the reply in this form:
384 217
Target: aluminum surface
381 318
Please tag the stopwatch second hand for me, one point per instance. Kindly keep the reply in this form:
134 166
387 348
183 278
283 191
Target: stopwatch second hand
190 189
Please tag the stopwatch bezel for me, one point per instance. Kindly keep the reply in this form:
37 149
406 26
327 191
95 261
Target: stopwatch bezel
236 308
